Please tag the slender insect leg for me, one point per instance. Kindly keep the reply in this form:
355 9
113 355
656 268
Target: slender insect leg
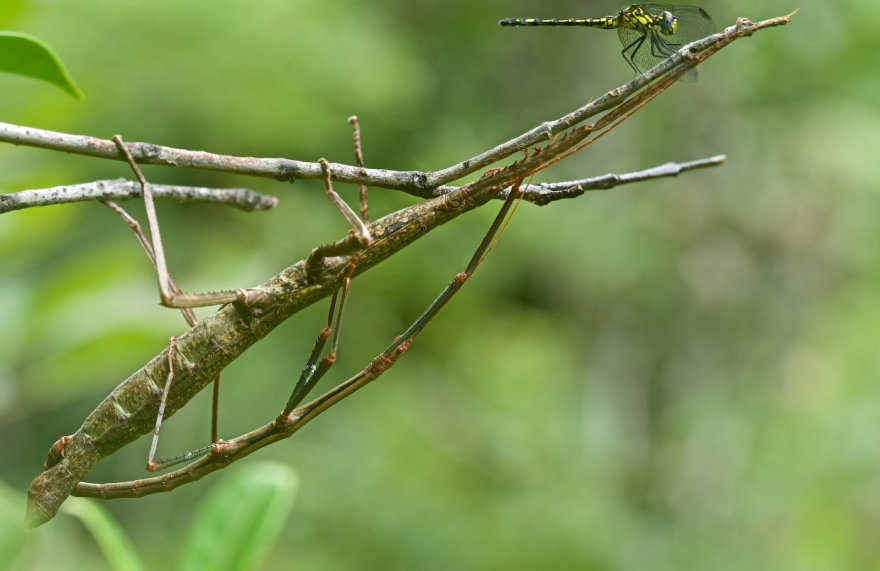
153 465
167 293
479 255
634 46
359 159
387 357
360 229
358 238
312 364
215 409
135 226
314 371
661 48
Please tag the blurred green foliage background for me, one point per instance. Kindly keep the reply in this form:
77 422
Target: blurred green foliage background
678 375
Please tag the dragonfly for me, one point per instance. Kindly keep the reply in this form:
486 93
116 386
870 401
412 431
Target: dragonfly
649 32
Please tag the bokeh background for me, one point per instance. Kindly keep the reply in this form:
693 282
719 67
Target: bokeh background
682 374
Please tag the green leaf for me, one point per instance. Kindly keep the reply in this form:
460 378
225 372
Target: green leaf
107 533
25 55
241 519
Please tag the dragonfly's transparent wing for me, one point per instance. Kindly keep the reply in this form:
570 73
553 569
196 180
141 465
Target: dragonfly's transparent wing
643 49
693 22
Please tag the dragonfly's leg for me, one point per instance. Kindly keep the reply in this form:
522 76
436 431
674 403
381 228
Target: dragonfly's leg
633 47
170 295
660 48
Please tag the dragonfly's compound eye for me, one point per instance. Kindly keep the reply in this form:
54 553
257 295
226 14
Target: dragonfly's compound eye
668 23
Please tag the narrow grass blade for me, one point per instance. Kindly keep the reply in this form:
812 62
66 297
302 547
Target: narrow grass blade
239 522
109 536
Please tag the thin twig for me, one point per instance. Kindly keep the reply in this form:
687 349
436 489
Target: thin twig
150 154
248 200
121 189
544 193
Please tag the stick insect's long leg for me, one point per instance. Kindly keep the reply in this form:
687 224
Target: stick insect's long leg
359 159
396 348
358 225
313 372
171 296
153 465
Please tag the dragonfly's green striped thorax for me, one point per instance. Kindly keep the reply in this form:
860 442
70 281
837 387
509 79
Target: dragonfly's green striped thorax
649 32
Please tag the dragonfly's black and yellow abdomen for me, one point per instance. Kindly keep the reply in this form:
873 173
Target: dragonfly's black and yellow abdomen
604 23
649 32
